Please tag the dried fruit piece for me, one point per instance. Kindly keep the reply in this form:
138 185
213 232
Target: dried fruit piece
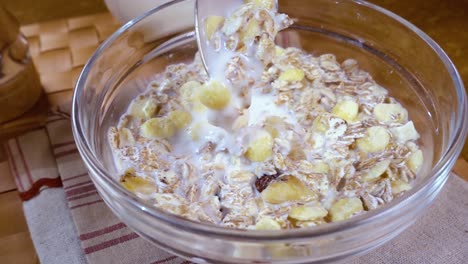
251 31
321 123
263 182
415 161
375 171
180 118
189 90
405 133
345 208
212 24
261 148
292 75
158 127
199 107
346 110
137 184
376 139
240 122
279 51
388 113
214 95
307 213
267 223
399 186
144 108
287 189
232 25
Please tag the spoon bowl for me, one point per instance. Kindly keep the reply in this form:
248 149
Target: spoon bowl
204 9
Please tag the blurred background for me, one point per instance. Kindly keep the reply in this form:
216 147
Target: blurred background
32 11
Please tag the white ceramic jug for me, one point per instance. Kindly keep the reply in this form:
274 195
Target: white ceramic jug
125 10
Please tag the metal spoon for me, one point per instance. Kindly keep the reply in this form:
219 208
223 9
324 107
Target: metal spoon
204 9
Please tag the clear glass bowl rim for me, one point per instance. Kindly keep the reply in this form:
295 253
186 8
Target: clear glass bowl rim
448 157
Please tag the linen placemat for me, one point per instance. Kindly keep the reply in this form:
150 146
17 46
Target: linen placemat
104 239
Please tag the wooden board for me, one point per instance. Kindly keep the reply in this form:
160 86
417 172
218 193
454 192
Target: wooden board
18 248
461 168
15 242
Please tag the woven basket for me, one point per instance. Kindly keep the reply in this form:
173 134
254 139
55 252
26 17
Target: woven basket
59 49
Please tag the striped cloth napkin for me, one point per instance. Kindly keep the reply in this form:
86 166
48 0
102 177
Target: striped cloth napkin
48 158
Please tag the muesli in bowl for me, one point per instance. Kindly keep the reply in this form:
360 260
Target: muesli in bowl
278 138
380 50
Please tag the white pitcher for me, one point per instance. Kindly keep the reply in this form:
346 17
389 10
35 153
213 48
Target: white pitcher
125 10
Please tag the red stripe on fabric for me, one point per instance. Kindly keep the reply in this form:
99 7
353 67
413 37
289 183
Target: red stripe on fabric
78 184
15 169
58 145
101 232
75 177
82 196
164 260
26 168
110 243
36 187
65 153
80 190
86 204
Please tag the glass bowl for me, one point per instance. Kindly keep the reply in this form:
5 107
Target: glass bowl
398 55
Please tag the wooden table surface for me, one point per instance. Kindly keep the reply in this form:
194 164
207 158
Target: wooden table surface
15 242
445 21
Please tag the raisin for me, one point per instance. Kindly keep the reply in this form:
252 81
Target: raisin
263 182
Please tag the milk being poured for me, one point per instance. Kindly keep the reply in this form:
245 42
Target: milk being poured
215 125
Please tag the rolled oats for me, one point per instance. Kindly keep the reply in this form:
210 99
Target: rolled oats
306 142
